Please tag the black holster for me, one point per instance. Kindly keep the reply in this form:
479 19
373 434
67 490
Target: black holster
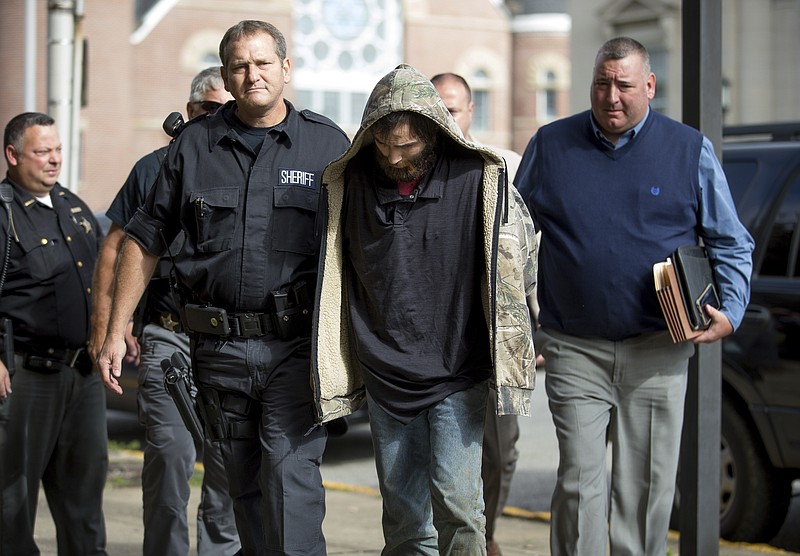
243 421
211 410
7 331
180 386
291 311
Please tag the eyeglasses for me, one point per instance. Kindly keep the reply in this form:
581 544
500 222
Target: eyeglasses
208 105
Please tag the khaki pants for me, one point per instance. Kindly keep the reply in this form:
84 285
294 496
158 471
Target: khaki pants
629 394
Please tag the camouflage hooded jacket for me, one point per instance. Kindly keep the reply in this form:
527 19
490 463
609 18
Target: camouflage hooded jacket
509 252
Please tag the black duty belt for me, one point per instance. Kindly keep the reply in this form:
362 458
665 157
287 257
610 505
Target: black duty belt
50 360
218 322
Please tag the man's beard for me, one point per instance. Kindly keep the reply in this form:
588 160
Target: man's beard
410 170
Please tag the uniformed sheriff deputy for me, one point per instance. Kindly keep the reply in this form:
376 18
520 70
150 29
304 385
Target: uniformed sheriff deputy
169 450
52 417
244 186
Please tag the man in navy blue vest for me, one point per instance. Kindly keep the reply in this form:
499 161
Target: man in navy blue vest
615 190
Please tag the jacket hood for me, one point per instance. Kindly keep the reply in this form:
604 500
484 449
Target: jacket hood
404 89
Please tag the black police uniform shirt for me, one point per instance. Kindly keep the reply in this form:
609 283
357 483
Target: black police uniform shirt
47 293
129 198
250 218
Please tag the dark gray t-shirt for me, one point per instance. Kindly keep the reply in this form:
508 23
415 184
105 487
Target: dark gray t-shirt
414 267
129 198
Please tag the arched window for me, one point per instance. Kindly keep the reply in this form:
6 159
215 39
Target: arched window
341 48
210 59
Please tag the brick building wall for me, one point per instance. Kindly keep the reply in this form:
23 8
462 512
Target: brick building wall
137 74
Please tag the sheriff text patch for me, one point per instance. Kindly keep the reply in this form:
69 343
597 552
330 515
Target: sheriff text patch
290 176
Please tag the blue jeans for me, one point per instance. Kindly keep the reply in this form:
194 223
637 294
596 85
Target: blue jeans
430 476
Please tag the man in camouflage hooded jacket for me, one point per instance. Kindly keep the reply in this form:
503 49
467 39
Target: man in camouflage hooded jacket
427 262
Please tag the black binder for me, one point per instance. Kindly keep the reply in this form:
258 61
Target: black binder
696 283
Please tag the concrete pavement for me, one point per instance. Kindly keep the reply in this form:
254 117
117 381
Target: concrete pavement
352 525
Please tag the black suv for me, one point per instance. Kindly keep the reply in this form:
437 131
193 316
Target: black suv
761 362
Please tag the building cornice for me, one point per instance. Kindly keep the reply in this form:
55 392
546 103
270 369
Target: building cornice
541 23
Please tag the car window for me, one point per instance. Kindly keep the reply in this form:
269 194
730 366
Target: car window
739 174
780 257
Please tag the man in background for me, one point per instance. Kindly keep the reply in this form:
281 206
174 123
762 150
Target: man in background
457 96
501 432
53 408
169 451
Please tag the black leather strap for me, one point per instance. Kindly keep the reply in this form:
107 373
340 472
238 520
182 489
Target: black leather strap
50 360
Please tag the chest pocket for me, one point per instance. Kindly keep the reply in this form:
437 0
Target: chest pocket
38 257
215 217
294 217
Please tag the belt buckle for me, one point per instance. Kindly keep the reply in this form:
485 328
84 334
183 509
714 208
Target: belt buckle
250 325
168 323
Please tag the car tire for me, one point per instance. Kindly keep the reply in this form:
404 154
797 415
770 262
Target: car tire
754 496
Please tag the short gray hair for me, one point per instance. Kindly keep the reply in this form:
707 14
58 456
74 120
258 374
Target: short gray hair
207 80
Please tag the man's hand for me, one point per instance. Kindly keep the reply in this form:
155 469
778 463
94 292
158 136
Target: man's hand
5 383
134 351
134 270
109 362
720 327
